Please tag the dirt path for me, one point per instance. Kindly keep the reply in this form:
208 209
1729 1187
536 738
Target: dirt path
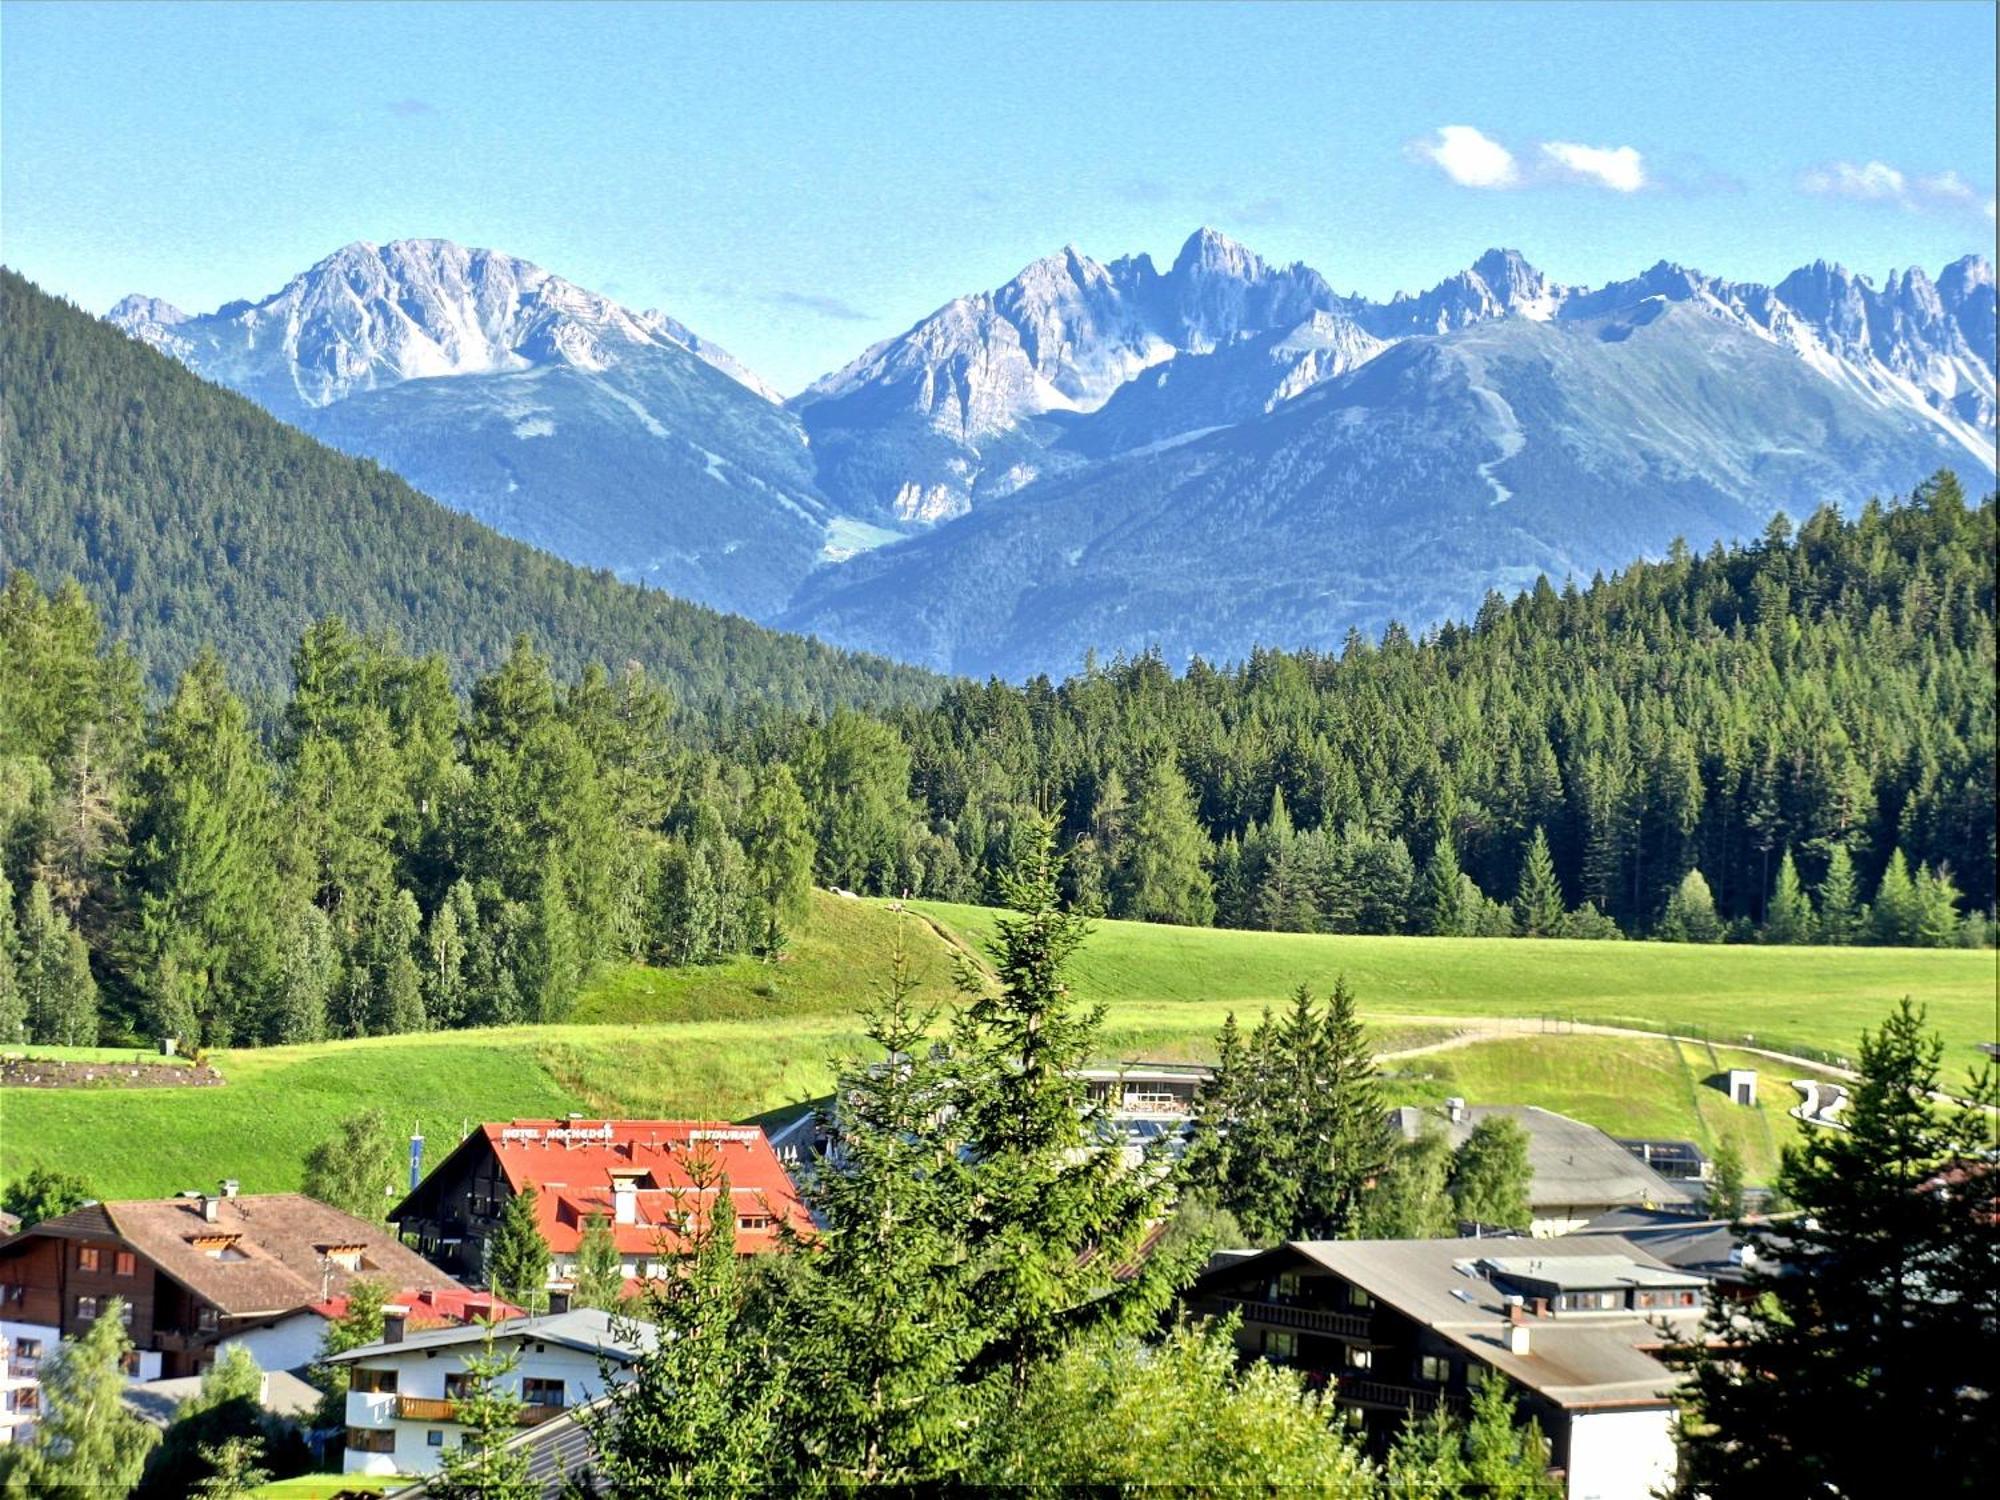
1475 1029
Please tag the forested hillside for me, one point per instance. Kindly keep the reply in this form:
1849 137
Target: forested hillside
1792 742
191 517
1781 717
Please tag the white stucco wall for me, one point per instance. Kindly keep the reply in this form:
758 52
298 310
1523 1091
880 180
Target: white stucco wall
288 1345
1621 1455
18 1427
418 1375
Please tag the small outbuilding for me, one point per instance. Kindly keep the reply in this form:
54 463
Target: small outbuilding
1743 1086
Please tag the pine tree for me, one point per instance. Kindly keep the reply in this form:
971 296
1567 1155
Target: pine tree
361 1322
1839 899
203 864
778 844
1789 916
600 1277
1162 873
396 929
1056 1214
1490 1176
1725 1187
87 1443
483 1465
1895 916
1875 1309
553 964
448 940
517 1257
697 1414
1441 905
56 988
1504 1457
1538 902
308 974
1937 909
881 1329
1690 916
13 1004
1347 1118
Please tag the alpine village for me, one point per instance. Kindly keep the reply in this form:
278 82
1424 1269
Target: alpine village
1169 882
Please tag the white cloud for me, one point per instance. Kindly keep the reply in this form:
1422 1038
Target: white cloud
1619 168
1879 182
1470 157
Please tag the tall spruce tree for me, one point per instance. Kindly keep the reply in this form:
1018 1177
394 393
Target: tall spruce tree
1348 1115
13 1005
1840 910
1895 916
600 1279
1873 1311
1057 1218
56 989
1442 905
485 1463
517 1257
1538 901
1490 1175
1162 873
1789 916
881 1326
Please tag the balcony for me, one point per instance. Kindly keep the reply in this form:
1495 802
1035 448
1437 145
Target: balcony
1355 1390
434 1409
1338 1325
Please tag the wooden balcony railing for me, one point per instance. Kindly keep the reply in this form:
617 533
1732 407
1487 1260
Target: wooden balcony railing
432 1409
1360 1391
1338 1325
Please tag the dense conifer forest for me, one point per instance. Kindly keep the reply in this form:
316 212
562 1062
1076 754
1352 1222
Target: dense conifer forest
1789 741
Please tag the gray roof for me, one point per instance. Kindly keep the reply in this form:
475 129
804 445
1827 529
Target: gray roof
1575 1166
285 1395
586 1328
1577 1360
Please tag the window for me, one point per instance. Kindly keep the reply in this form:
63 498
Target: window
125 1313
129 1363
1588 1302
205 1319
128 1263
753 1221
86 1309
1359 1358
539 1392
1476 1376
434 1438
1287 1285
455 1382
27 1348
89 1258
371 1440
1356 1297
1435 1368
1279 1344
369 1382
28 1398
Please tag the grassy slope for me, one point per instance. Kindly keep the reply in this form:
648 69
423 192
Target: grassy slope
1806 998
743 1038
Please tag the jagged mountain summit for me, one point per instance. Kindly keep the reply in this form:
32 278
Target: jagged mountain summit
969 403
1100 453
614 438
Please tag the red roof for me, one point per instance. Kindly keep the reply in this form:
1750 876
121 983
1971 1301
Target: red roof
444 1308
573 1165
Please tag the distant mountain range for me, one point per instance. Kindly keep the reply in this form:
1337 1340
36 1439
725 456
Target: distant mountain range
1108 456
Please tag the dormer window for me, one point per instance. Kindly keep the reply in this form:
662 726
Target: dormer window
348 1257
219 1246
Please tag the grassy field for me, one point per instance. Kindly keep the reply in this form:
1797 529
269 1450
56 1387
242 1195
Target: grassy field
1804 999
744 1039
326 1486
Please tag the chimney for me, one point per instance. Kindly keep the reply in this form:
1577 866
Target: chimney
394 1320
1519 1337
624 1201
229 1186
558 1300
211 1209
1454 1110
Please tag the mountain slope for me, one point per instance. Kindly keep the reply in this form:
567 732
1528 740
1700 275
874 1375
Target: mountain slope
615 438
190 515
1402 489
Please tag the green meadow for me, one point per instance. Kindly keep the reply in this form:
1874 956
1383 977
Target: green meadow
745 1039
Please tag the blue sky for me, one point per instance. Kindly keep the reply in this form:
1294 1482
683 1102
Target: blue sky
796 182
